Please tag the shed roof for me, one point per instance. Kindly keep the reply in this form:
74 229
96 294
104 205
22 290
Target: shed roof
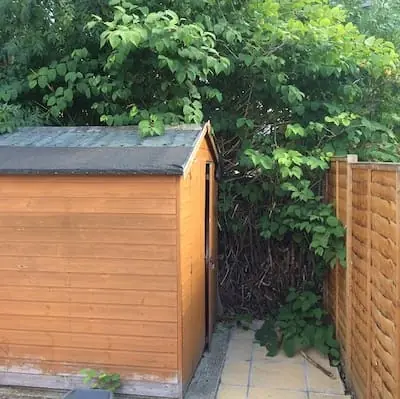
98 150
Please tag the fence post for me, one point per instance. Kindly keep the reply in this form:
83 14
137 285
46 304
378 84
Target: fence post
397 325
351 159
369 298
336 271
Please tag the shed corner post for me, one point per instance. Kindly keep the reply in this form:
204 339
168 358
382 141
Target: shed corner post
179 354
397 307
350 160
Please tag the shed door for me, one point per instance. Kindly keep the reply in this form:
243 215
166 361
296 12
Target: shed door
211 250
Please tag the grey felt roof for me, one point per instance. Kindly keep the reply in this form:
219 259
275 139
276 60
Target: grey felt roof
96 150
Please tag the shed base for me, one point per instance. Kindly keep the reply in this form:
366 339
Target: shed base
66 382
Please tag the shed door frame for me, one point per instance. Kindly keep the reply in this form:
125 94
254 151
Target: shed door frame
210 250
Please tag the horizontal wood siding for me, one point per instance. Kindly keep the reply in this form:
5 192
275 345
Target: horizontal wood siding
192 262
88 275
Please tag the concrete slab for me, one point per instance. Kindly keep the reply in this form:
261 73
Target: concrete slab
250 374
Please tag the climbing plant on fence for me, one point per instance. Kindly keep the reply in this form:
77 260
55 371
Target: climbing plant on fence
286 83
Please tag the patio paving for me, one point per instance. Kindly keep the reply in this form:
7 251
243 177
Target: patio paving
249 374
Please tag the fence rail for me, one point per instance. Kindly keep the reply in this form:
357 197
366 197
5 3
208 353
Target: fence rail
364 297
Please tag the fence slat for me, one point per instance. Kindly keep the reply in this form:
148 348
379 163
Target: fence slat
336 270
349 236
369 299
397 308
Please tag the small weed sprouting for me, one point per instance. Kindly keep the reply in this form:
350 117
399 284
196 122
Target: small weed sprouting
101 380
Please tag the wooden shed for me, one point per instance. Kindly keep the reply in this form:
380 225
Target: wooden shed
107 256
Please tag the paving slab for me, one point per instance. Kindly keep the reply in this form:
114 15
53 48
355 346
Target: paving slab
250 374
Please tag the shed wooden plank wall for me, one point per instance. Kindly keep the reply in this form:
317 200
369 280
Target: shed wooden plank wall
192 262
88 275
364 298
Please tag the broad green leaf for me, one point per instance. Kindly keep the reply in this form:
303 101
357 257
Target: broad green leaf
51 101
332 221
33 83
289 346
114 39
68 95
70 77
59 92
42 81
55 111
52 75
61 69
43 71
181 76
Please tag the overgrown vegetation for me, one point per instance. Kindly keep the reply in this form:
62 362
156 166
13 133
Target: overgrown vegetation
101 380
286 83
300 324
380 18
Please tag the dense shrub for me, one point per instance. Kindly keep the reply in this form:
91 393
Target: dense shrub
286 83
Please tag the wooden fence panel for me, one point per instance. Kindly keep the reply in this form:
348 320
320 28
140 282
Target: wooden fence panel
364 297
341 275
360 231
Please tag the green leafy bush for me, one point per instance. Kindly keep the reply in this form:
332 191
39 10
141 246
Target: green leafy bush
13 116
299 325
286 84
